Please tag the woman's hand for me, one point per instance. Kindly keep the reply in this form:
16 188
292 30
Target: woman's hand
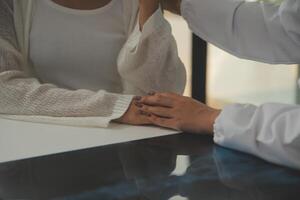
173 6
147 9
178 112
134 116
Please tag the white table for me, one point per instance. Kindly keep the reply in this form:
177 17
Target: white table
20 140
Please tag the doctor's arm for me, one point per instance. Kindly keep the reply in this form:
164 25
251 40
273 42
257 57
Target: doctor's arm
270 131
252 30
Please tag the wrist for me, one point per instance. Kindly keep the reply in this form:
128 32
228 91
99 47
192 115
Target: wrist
212 119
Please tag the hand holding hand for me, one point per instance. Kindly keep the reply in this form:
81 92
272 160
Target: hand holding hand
178 112
134 116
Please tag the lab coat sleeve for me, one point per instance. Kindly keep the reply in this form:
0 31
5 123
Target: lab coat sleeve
271 131
257 31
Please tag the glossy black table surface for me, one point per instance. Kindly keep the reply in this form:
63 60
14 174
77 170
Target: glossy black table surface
172 167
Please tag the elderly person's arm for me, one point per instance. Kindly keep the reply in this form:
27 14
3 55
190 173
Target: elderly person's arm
24 97
149 60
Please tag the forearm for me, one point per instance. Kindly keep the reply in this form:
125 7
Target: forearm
253 30
21 95
149 60
270 131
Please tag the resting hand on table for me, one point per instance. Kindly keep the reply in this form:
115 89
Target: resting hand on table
178 112
134 116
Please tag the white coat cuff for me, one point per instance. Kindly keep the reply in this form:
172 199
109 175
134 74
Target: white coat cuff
230 128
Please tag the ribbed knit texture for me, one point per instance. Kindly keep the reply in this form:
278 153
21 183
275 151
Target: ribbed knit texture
150 67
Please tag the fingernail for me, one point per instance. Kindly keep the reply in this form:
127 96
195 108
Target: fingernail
151 93
137 98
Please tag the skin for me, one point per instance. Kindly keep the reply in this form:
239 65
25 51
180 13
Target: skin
161 109
147 8
172 6
81 4
178 112
134 115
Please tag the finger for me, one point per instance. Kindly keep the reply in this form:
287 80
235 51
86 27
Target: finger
163 122
142 118
159 111
141 112
157 100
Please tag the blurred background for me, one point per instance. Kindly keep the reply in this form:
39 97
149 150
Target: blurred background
224 79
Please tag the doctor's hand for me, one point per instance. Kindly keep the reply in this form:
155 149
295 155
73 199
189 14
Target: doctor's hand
179 112
134 116
173 6
147 9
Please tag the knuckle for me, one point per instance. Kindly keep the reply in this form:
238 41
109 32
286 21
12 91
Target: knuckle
144 98
160 120
145 108
159 95
154 118
158 98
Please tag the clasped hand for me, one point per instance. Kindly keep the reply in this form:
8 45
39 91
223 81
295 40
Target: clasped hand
166 109
173 111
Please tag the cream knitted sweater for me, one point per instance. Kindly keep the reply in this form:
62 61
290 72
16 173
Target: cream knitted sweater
147 62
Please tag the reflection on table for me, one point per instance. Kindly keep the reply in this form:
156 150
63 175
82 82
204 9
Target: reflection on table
145 170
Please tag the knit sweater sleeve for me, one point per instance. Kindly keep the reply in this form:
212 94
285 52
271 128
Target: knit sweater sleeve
24 97
149 60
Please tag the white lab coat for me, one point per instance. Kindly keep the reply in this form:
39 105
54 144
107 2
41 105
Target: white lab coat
262 32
